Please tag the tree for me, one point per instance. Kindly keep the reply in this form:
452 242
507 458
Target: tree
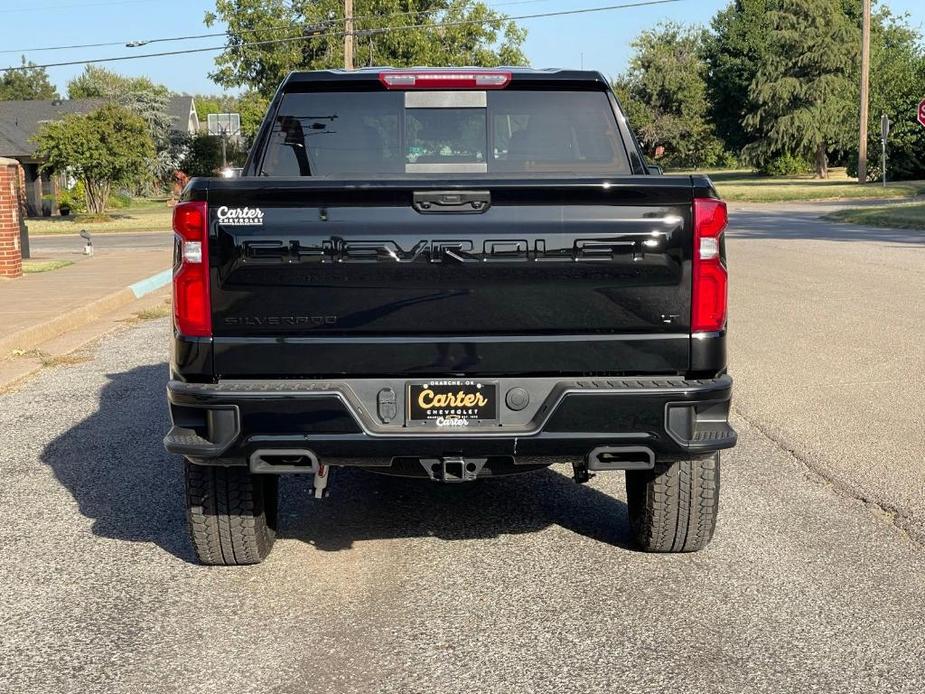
108 146
213 104
665 96
487 39
804 97
138 94
204 155
99 83
29 83
734 49
251 106
897 85
147 99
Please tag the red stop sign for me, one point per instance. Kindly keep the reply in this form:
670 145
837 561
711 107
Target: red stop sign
922 112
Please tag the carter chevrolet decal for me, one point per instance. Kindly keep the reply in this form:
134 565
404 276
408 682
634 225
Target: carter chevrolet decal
240 216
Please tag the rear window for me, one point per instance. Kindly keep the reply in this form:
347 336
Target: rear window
352 134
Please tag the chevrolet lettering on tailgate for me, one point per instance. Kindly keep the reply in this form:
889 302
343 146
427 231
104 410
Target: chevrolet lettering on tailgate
336 250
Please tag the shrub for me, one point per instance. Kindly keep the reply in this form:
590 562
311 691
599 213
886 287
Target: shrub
102 148
785 165
119 200
728 160
73 198
204 155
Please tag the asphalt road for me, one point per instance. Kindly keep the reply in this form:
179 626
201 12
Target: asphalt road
522 585
827 345
62 245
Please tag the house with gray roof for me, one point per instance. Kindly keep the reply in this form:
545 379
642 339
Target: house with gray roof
182 110
20 121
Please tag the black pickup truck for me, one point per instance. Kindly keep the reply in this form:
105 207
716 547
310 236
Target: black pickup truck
451 274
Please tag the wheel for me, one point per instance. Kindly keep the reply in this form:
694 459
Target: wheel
673 507
231 514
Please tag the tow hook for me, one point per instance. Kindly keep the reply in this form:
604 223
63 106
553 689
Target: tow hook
320 481
580 472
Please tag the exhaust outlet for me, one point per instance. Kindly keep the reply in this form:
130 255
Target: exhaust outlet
611 458
284 460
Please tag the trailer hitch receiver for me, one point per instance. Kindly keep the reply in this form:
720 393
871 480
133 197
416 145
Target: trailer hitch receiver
453 469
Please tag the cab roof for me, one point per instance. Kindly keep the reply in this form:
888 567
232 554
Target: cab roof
369 77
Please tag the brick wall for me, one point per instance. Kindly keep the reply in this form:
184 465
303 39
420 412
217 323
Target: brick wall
11 205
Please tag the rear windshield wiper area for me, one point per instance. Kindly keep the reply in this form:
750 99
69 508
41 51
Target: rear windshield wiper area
367 133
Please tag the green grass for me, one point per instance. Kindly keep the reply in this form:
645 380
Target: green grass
30 266
148 204
893 216
49 359
153 312
746 186
142 215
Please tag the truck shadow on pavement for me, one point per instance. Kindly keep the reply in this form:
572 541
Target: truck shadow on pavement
114 465
368 506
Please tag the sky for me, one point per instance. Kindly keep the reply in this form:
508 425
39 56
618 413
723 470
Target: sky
599 41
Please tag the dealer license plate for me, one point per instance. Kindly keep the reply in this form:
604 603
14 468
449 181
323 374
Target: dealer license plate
452 403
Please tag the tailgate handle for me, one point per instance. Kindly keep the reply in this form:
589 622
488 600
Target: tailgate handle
452 201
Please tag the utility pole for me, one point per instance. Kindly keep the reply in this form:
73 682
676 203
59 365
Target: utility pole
348 34
865 93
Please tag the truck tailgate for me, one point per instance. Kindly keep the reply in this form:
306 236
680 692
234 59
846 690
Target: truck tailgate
482 276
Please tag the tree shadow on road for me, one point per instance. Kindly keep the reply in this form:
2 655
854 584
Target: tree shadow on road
114 465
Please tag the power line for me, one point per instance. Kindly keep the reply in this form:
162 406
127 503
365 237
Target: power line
62 48
503 18
122 43
362 32
143 42
80 6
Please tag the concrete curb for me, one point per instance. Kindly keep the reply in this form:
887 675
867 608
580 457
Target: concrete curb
150 284
29 338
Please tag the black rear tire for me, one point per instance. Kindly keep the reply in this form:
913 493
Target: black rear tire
231 514
673 507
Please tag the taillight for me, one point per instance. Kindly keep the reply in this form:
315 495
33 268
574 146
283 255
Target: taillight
192 312
445 79
710 279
